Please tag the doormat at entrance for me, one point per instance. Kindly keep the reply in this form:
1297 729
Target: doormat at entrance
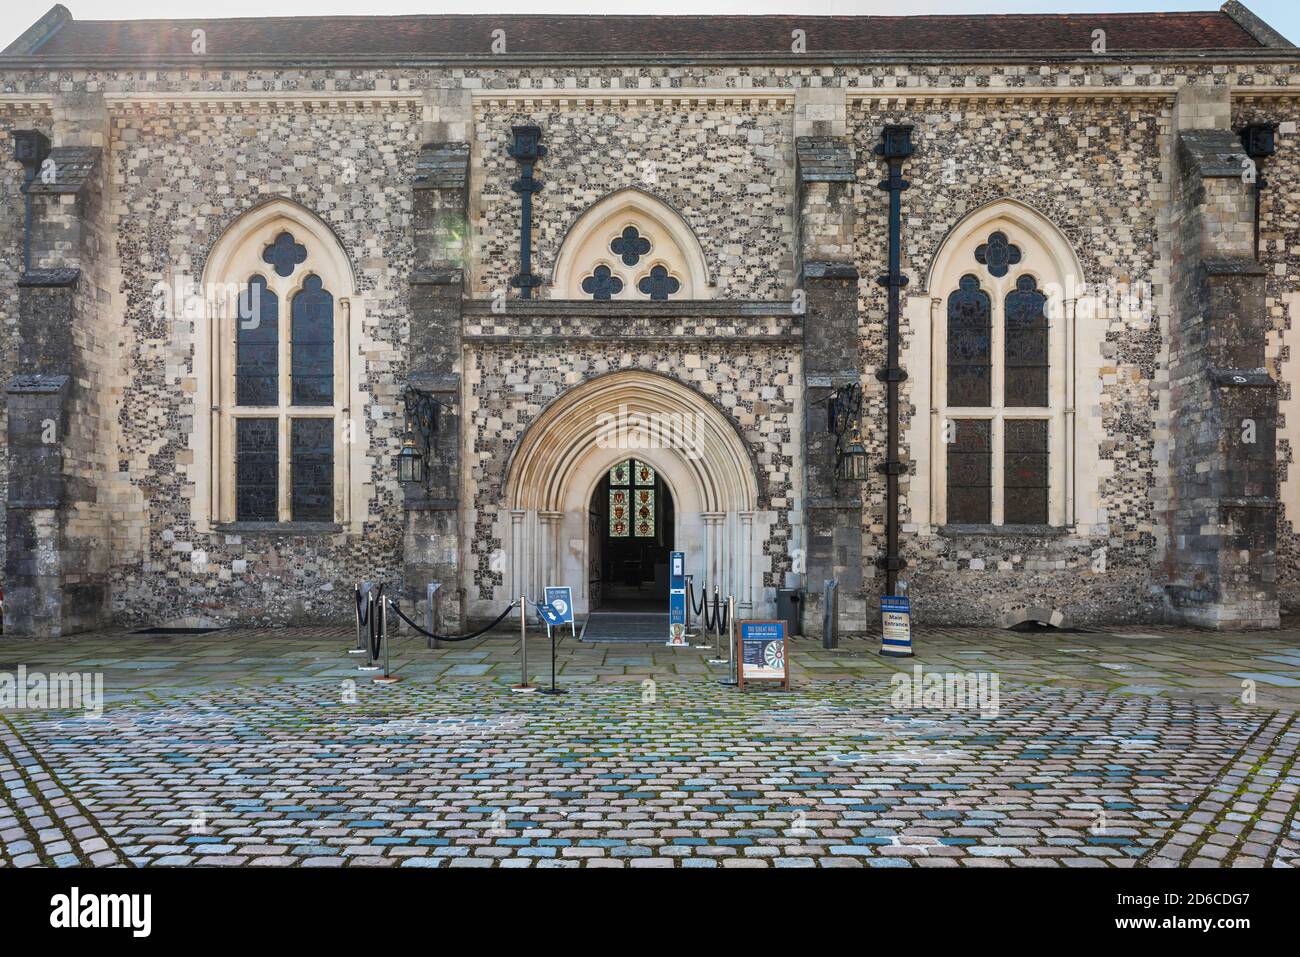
632 627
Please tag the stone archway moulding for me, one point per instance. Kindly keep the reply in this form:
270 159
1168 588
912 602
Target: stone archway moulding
559 462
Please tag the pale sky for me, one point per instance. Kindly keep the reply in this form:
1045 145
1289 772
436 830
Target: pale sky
1282 15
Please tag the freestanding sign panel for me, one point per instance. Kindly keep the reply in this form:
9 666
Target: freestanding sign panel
677 600
559 602
896 626
762 653
560 597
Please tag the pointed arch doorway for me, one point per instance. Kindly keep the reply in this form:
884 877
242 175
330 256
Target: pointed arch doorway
633 523
554 517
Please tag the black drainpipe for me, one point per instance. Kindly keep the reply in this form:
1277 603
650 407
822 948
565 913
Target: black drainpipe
1259 141
527 149
894 147
31 147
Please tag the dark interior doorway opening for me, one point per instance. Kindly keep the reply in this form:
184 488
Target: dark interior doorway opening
632 519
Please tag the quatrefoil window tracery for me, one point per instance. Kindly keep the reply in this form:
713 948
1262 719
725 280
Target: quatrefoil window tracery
602 283
659 285
998 254
630 245
284 254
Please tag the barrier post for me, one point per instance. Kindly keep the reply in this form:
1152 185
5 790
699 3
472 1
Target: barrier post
387 678
374 619
716 627
361 598
690 596
732 668
523 647
430 614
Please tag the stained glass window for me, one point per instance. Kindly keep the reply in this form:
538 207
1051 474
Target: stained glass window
257 463
644 516
970 351
1026 345
970 473
620 512
998 254
632 510
312 468
1025 472
313 345
257 346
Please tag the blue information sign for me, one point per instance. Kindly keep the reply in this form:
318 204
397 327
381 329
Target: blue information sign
677 599
560 598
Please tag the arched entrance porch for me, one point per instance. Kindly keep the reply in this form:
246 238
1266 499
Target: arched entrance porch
697 454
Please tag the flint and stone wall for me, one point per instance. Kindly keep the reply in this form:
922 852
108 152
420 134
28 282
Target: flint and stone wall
179 171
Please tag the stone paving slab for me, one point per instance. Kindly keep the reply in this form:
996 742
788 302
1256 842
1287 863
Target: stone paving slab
267 748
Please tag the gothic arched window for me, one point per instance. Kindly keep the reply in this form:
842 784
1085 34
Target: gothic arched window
277 373
1001 384
631 245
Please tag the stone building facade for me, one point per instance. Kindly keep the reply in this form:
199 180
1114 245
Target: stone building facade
1095 414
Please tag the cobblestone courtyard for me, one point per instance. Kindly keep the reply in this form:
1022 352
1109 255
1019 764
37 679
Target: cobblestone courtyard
255 747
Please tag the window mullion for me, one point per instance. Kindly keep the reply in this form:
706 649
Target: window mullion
996 510
283 490
999 346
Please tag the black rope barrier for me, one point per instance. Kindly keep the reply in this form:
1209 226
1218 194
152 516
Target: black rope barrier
725 616
428 634
704 599
363 606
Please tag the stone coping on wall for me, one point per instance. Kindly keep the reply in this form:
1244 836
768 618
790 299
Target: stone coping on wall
772 322
119 98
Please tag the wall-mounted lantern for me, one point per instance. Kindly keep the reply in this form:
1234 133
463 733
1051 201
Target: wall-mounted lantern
421 436
410 461
843 412
852 458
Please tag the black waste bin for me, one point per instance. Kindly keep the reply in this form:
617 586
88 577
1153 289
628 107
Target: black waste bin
789 608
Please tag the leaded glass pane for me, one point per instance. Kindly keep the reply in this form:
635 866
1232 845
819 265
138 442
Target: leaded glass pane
645 474
312 467
1025 478
645 512
313 345
970 473
257 346
620 512
257 464
618 474
1026 345
970 350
